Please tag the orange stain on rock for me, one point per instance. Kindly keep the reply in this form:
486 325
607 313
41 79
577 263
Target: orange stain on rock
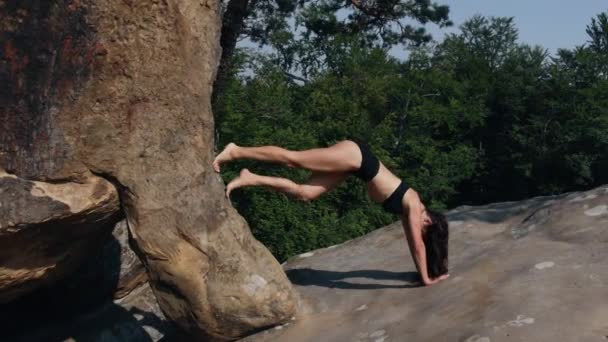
97 50
73 5
12 55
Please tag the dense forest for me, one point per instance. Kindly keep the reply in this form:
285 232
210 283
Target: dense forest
475 118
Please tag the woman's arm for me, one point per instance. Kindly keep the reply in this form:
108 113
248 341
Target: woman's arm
412 226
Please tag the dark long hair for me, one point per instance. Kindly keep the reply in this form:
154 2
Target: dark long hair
436 244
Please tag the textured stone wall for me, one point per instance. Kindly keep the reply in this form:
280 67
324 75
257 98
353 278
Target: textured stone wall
121 90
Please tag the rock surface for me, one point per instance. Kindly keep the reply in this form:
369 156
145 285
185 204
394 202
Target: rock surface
47 230
122 89
534 270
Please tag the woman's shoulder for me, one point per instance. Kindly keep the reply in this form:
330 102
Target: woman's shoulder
411 198
411 204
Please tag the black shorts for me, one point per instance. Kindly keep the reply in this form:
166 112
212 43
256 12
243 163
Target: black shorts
370 165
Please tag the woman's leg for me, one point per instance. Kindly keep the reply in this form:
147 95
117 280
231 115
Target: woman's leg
318 184
339 158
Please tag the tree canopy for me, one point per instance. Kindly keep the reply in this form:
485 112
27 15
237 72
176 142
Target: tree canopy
476 118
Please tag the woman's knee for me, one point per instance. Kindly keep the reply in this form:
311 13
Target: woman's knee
293 159
307 194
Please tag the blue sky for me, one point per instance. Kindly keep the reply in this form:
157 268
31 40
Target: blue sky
552 24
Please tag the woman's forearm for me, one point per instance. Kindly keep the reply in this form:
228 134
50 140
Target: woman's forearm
412 226
418 251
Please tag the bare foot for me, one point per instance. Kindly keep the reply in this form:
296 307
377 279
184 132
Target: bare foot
224 156
244 179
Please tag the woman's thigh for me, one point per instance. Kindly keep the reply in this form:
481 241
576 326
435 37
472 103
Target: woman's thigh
344 156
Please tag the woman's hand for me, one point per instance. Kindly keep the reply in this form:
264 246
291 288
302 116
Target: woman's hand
429 281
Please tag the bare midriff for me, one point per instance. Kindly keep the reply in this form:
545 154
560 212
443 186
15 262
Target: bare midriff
382 185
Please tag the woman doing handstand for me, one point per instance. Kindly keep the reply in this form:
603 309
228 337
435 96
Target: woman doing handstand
426 231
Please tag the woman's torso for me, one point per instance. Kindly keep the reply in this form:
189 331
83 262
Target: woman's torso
382 185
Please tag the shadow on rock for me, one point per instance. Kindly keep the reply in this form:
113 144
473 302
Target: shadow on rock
81 307
335 279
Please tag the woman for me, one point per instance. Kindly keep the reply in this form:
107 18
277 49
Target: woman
426 231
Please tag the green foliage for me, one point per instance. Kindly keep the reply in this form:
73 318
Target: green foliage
309 35
476 119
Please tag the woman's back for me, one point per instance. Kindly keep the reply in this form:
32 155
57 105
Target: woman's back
382 185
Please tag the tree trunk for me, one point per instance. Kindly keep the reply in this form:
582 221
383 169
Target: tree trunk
231 29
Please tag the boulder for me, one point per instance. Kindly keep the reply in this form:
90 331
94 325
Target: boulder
48 229
533 270
121 89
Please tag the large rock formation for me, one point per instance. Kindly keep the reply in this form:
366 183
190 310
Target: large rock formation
120 90
534 270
